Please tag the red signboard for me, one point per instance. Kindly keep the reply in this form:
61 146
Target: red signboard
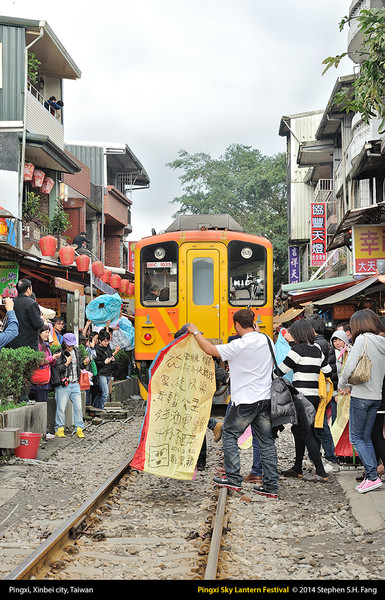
318 240
131 257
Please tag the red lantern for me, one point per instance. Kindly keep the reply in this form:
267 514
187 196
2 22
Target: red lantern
98 268
115 281
67 255
82 262
47 186
38 178
106 276
124 286
48 245
28 171
131 289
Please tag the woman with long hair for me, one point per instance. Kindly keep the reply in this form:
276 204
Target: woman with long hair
367 334
306 360
37 392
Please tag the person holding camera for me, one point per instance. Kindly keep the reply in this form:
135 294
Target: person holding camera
65 380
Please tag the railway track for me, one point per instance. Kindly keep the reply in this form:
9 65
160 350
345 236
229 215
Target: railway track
135 526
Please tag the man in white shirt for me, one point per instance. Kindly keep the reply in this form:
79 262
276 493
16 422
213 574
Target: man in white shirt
251 365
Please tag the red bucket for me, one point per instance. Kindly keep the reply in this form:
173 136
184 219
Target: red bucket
29 445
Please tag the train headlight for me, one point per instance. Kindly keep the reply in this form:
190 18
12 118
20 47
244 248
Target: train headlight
246 252
159 253
147 337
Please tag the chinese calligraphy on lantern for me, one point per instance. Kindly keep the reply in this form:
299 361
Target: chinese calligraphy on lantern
318 241
368 246
180 394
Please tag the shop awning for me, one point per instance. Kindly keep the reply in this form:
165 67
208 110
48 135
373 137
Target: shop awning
348 293
374 214
287 316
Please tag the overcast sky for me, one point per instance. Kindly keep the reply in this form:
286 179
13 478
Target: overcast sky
162 75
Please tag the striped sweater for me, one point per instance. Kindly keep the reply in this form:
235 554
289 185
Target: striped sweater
306 361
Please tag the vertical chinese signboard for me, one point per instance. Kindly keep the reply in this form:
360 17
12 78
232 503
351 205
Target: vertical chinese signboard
368 246
131 257
294 273
318 241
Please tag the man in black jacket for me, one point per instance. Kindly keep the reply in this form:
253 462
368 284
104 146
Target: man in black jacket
28 315
105 363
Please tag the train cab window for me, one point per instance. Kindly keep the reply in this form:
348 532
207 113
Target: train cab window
247 274
203 281
159 274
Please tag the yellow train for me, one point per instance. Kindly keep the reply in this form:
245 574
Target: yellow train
201 270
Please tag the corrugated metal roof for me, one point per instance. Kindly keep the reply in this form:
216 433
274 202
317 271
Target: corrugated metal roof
12 96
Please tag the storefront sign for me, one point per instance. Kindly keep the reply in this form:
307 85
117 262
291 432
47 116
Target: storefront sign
318 241
9 275
343 311
294 272
368 246
131 257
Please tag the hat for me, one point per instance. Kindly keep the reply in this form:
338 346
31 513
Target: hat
69 339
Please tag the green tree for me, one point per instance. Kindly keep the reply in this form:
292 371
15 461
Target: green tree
367 95
243 183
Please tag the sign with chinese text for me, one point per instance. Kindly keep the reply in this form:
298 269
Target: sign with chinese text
368 243
343 311
180 391
294 273
318 241
131 257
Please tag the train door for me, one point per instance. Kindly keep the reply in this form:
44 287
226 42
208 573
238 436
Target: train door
203 290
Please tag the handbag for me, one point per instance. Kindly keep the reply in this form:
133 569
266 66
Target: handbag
41 376
282 406
363 369
84 380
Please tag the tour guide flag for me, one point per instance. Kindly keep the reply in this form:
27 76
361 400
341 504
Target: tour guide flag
180 391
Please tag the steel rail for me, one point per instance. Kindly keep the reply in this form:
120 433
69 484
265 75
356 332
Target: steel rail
216 537
41 556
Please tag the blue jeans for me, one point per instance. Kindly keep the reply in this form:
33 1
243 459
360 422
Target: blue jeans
238 418
362 415
102 396
256 469
62 395
327 441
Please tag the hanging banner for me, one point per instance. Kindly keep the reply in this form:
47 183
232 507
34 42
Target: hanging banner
180 392
131 256
318 240
368 244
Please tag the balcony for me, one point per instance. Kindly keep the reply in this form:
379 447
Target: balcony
43 121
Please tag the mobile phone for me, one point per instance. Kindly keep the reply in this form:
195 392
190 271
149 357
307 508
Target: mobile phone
381 266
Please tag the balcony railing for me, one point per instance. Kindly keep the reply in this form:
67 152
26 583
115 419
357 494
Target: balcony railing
43 121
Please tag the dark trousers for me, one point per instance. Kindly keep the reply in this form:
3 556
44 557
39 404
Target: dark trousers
312 443
378 438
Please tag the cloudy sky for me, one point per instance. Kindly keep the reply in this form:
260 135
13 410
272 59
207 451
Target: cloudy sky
162 75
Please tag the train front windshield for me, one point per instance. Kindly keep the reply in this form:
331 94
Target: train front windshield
159 274
247 274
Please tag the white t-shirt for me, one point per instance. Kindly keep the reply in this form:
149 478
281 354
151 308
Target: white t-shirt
250 365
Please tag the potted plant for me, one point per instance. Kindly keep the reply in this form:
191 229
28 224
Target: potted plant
60 221
33 68
32 218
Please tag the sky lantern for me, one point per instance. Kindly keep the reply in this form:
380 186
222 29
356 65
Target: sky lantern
82 262
48 245
106 276
115 281
97 268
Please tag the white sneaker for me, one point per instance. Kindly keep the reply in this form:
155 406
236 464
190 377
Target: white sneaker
334 467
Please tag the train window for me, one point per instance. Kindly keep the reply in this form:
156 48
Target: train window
247 274
159 274
203 281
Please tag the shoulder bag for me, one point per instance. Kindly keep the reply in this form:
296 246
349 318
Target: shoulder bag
282 408
363 369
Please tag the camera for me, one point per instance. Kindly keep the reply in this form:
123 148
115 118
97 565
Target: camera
64 381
